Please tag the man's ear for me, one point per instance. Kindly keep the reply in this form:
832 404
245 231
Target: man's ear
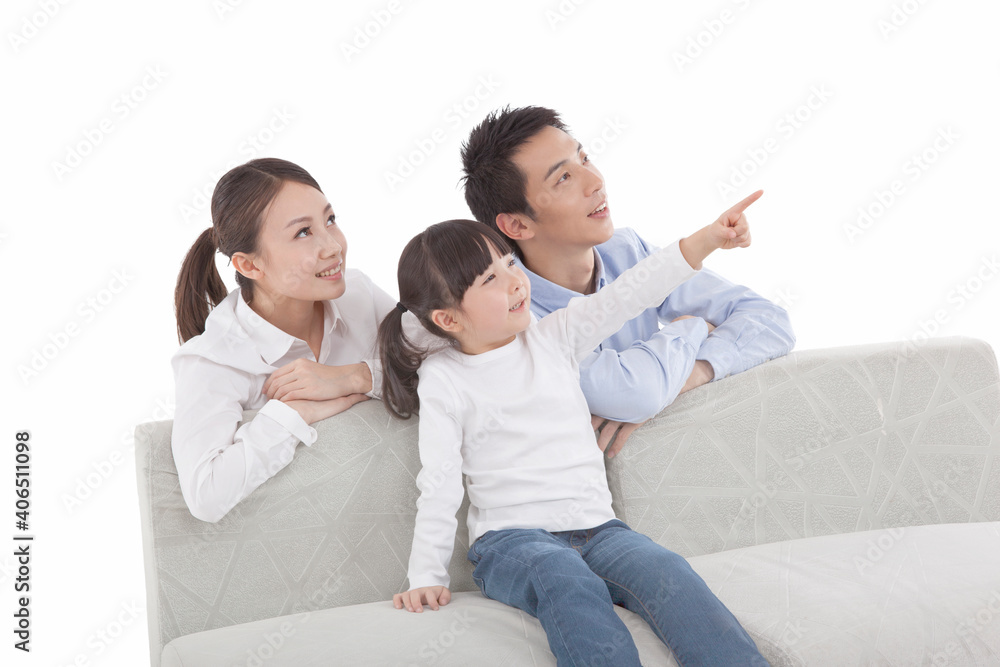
515 227
446 321
243 263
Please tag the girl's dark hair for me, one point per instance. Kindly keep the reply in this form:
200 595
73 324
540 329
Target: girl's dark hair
239 201
436 268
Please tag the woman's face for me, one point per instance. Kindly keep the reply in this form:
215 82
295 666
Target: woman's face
302 249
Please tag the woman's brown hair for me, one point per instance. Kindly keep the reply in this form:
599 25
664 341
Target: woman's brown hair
239 201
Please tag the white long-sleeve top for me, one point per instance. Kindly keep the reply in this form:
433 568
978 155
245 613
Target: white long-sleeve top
515 423
221 373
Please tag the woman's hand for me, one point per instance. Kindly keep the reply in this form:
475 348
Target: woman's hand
414 600
305 379
314 411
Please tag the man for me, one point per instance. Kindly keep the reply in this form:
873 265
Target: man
527 177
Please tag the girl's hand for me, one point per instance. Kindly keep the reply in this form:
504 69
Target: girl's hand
732 230
314 411
414 600
305 379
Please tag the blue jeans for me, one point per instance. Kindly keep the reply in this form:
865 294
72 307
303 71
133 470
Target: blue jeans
569 581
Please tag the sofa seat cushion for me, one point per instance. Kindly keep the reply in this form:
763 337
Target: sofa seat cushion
469 630
922 595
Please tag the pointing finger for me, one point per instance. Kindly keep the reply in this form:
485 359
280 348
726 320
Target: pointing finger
742 206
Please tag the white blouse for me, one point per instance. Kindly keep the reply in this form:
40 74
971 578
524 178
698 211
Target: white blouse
221 373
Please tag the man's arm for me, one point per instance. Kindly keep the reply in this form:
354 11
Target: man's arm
749 329
638 382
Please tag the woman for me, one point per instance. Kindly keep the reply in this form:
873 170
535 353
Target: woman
295 340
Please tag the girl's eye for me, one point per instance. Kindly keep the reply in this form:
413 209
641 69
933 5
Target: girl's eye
510 262
489 278
302 232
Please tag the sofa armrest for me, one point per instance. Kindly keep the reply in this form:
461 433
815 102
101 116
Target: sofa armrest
819 442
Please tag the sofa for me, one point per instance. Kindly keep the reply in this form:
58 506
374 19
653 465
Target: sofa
844 504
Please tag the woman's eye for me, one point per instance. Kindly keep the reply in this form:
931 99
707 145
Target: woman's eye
302 233
332 220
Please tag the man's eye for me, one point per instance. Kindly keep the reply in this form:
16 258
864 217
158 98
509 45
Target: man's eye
563 178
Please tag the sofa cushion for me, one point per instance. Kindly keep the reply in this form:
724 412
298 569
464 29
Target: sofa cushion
470 630
907 596
922 595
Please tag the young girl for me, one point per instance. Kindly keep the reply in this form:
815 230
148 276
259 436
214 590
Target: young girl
295 340
504 408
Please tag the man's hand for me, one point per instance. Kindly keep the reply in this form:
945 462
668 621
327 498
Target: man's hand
702 373
711 327
414 600
609 431
305 379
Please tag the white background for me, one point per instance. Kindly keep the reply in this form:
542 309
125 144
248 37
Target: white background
130 207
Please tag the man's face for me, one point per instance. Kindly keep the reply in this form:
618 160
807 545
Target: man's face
565 190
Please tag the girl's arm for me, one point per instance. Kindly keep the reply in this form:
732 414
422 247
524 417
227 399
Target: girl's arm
219 465
586 321
439 482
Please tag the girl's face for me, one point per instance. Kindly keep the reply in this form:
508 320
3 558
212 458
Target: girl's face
495 307
302 249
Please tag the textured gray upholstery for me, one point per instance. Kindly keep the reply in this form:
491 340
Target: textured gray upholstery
820 442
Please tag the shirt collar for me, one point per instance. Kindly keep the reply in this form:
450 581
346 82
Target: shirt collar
272 342
545 292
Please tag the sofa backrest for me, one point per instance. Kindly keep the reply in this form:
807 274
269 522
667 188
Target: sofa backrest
817 442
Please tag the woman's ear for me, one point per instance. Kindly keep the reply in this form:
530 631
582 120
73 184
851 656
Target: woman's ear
446 320
246 265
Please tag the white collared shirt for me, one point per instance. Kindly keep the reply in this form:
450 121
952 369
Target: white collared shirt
221 373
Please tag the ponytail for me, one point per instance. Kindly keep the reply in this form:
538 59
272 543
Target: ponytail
435 269
400 360
199 287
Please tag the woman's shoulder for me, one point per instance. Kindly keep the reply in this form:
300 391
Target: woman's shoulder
226 340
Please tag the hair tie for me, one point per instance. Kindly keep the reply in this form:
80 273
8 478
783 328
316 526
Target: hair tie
401 307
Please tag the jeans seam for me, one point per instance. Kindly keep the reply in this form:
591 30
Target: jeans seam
652 621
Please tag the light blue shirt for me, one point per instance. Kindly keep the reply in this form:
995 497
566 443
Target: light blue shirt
640 370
